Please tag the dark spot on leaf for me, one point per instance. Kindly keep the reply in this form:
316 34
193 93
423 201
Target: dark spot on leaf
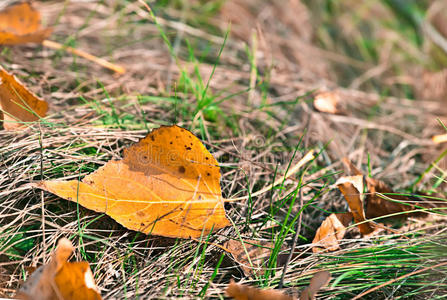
188 148
181 169
208 174
170 142
191 144
206 158
142 224
176 136
152 138
200 197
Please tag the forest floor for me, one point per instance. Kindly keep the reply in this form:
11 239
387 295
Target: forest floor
242 76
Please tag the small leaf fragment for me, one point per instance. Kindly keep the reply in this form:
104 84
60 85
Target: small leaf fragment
244 292
17 103
331 231
327 102
318 281
257 258
60 279
440 138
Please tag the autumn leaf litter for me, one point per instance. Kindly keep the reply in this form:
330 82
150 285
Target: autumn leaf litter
79 137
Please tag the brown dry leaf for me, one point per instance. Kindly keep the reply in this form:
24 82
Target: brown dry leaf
167 184
377 206
20 24
17 103
328 102
352 189
331 231
243 292
60 279
257 258
318 281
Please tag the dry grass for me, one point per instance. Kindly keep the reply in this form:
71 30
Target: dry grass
269 69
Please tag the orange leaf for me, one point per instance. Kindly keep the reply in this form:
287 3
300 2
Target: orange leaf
243 292
20 24
318 281
60 279
331 231
17 103
167 184
352 189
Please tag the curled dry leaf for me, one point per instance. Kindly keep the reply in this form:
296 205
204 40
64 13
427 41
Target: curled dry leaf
243 292
20 24
250 254
60 279
167 184
328 102
331 231
352 189
17 103
380 200
318 281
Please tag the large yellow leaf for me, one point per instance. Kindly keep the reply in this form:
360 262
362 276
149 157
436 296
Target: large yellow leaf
167 184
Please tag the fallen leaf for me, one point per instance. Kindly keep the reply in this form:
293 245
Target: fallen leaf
17 103
60 279
352 170
378 206
243 292
331 231
352 189
328 102
252 255
167 184
318 281
20 24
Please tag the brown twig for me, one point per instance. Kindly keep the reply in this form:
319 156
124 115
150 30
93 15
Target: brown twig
100 61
